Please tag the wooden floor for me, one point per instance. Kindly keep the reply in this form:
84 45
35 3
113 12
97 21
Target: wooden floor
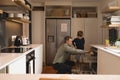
48 70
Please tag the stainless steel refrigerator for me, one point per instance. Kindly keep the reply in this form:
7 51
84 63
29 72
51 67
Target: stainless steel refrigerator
56 30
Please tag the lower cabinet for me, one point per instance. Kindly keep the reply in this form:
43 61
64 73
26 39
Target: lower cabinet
17 67
108 63
38 59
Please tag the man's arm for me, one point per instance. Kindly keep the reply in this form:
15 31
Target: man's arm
72 50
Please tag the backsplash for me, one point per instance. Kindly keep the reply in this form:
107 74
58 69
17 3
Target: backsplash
7 29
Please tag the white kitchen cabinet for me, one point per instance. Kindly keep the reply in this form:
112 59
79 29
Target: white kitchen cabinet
108 63
89 26
38 29
18 66
77 24
91 32
38 59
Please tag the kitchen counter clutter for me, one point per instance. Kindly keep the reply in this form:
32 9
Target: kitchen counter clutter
58 77
16 62
108 59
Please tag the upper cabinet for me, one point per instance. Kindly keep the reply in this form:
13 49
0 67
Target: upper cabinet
84 12
58 11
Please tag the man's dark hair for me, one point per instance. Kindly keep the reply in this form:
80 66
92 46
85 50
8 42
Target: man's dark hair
67 38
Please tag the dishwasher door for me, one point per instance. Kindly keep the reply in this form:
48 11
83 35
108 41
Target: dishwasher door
30 62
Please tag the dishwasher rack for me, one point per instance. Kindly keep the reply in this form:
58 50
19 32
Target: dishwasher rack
87 63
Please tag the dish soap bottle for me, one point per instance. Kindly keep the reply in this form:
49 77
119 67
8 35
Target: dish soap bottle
107 43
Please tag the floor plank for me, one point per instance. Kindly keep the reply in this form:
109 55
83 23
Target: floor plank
48 70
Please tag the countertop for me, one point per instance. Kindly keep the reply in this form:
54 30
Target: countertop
106 49
8 58
57 77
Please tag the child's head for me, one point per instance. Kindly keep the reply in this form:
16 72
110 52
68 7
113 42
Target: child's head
79 33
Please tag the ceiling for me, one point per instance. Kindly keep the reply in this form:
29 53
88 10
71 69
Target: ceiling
42 1
35 1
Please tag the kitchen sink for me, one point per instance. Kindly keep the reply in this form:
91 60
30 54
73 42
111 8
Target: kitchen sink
14 50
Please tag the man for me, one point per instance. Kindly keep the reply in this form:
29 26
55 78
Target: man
61 61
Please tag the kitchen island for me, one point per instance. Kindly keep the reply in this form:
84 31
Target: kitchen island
108 59
58 77
16 62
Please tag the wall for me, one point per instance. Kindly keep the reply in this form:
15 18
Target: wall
104 4
12 28
26 29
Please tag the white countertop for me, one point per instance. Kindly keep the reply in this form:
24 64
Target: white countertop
106 49
8 58
58 77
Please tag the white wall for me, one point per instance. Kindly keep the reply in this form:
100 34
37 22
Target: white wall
26 29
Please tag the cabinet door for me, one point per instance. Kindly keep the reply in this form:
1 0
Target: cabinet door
38 29
91 32
18 67
38 59
77 24
107 63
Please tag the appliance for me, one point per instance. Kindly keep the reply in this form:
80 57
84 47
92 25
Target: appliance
30 62
56 30
113 35
18 41
25 40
